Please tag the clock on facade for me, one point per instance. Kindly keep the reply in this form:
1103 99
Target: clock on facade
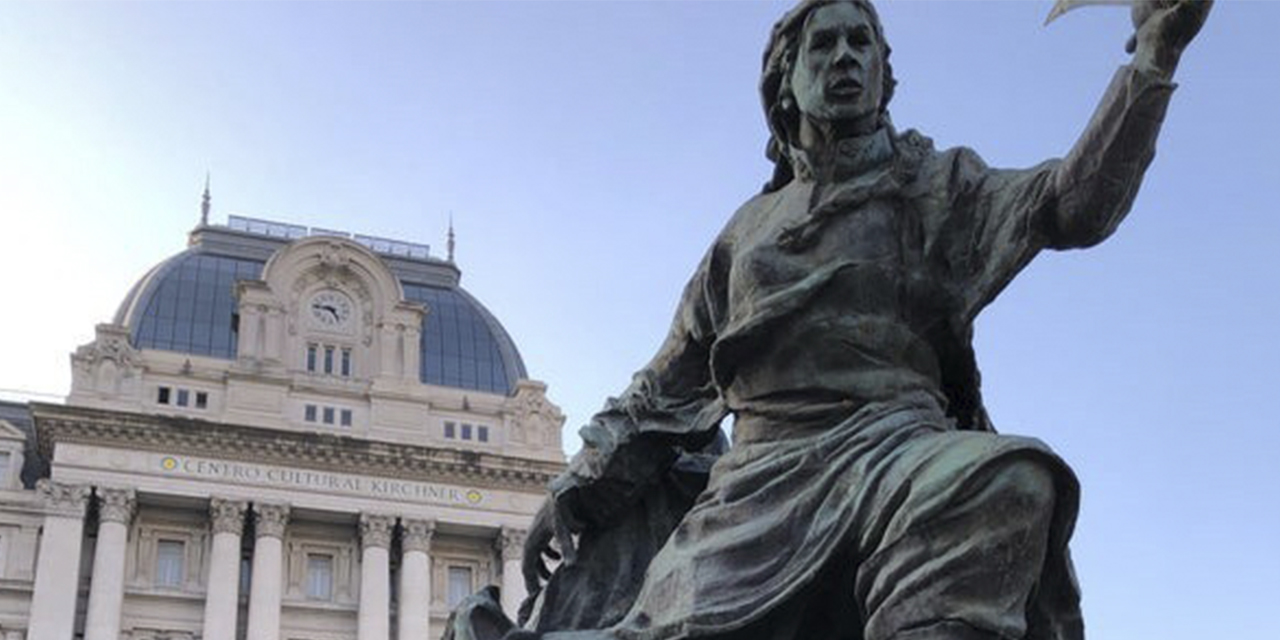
331 309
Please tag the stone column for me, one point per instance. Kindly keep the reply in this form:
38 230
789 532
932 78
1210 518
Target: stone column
415 579
268 571
511 546
221 605
375 577
106 586
53 600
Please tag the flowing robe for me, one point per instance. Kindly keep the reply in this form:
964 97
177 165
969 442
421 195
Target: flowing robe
833 317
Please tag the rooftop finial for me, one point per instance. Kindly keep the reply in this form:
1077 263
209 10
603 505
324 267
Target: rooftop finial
450 244
205 202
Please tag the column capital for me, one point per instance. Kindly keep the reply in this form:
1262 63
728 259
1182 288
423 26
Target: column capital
511 543
227 515
270 519
375 530
116 505
416 535
63 499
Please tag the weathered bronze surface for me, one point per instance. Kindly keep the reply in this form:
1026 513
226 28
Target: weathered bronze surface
866 494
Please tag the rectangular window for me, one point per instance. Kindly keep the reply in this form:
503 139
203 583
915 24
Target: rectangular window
246 574
170 561
309 413
4 472
328 360
482 433
162 395
184 397
311 358
202 400
459 585
346 363
450 430
344 417
319 577
328 415
466 431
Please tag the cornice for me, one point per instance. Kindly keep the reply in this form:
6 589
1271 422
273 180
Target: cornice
56 424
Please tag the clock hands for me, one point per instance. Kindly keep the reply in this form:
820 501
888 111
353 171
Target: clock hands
333 311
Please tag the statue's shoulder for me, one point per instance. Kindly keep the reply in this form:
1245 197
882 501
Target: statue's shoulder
913 143
760 206
928 167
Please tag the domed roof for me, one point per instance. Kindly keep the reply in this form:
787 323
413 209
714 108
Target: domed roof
187 304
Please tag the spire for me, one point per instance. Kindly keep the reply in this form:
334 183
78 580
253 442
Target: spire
450 244
205 202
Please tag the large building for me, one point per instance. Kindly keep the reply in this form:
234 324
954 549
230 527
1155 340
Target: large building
284 433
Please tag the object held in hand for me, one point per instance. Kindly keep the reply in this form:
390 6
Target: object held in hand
1062 6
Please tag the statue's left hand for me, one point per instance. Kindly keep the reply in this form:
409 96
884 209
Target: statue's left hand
1164 28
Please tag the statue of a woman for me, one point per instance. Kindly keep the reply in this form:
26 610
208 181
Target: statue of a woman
866 495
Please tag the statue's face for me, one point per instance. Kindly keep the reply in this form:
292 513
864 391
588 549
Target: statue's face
839 71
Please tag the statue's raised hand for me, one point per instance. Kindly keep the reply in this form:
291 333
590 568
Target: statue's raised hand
1164 28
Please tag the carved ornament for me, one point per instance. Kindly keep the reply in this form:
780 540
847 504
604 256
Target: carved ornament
227 515
375 530
63 499
416 535
270 519
116 505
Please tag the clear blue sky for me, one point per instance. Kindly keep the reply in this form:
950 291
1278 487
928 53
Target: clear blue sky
590 151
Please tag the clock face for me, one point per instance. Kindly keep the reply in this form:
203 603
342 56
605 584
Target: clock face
331 309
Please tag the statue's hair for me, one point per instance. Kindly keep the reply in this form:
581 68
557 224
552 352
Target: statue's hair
780 107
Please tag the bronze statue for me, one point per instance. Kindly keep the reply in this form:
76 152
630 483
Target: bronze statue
866 495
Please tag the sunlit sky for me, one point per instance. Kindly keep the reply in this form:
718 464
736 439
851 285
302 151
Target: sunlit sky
590 151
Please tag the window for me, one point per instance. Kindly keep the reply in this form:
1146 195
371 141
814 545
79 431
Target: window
162 395
345 417
309 413
202 400
450 430
170 561
346 363
184 397
328 359
246 573
459 585
328 415
466 431
482 433
311 358
4 468
319 577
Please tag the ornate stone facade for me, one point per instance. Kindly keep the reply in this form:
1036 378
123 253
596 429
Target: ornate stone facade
286 464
